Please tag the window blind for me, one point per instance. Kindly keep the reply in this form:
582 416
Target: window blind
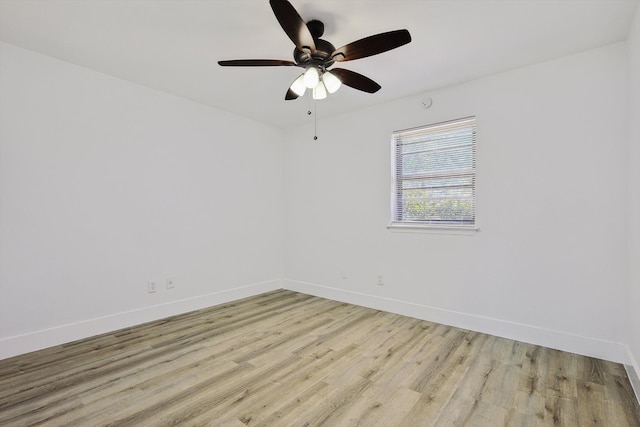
434 180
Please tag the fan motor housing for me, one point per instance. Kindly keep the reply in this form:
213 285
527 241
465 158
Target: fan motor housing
321 56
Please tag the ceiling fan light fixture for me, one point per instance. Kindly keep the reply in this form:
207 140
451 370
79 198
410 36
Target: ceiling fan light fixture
298 86
331 82
311 77
320 91
315 55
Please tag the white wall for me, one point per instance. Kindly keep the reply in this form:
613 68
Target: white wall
549 264
105 185
633 339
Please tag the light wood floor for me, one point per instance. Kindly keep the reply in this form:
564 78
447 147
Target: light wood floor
289 359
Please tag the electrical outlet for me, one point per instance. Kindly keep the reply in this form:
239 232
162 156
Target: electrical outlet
380 280
152 286
171 284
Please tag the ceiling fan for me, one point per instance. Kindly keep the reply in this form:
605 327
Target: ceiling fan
316 55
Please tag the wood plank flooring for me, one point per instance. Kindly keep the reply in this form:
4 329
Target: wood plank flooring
289 359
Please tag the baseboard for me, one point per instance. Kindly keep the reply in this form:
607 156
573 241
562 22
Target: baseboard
21 344
633 372
593 347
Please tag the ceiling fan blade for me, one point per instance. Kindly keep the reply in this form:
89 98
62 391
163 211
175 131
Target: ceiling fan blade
255 63
372 45
290 95
355 80
293 25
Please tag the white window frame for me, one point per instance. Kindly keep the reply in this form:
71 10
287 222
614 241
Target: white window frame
397 177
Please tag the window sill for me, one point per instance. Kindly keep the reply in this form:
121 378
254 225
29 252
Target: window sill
414 227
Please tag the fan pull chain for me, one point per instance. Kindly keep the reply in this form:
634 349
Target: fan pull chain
315 120
315 116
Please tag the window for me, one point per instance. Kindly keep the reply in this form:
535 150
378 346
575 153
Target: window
434 175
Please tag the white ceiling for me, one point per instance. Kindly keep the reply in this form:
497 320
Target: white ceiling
174 45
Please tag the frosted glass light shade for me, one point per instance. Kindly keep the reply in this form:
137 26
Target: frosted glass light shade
331 82
298 86
319 92
311 77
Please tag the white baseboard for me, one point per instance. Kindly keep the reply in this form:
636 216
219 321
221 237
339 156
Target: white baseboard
16 345
633 372
593 347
